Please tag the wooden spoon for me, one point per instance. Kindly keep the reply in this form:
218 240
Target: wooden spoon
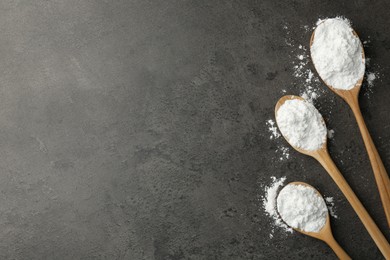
351 96
325 234
323 157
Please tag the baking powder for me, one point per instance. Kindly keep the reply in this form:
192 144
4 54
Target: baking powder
302 207
337 53
301 124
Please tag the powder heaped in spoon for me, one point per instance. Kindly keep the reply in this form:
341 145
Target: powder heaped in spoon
337 53
302 207
301 124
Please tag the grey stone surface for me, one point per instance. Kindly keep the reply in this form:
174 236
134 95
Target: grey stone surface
136 129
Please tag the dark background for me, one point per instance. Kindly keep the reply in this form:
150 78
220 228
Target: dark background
137 129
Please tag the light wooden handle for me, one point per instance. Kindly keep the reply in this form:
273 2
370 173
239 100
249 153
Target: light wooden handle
381 177
381 242
341 254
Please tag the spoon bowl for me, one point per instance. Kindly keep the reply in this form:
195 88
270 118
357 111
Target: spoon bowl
323 157
325 234
351 97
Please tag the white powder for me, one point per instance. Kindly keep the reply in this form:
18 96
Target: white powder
309 94
337 53
285 151
371 77
301 124
306 81
282 152
272 129
330 133
330 204
301 207
269 203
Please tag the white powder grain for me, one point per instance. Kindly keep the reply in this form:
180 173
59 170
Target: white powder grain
371 77
337 53
301 124
302 207
269 203
330 133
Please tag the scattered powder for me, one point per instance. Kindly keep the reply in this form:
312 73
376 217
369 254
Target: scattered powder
301 124
285 151
306 81
288 40
273 129
330 204
282 152
302 207
309 94
337 53
269 203
372 72
371 77
368 85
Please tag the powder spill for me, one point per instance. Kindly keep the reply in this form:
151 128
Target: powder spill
330 204
301 124
337 53
269 204
305 80
282 152
302 207
370 78
309 94
273 129
285 153
372 75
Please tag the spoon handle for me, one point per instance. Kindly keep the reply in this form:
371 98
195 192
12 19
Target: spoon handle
381 177
381 242
337 249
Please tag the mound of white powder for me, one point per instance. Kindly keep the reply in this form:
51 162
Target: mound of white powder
337 53
302 207
301 124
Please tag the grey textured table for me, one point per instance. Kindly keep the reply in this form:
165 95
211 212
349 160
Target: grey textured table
136 129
